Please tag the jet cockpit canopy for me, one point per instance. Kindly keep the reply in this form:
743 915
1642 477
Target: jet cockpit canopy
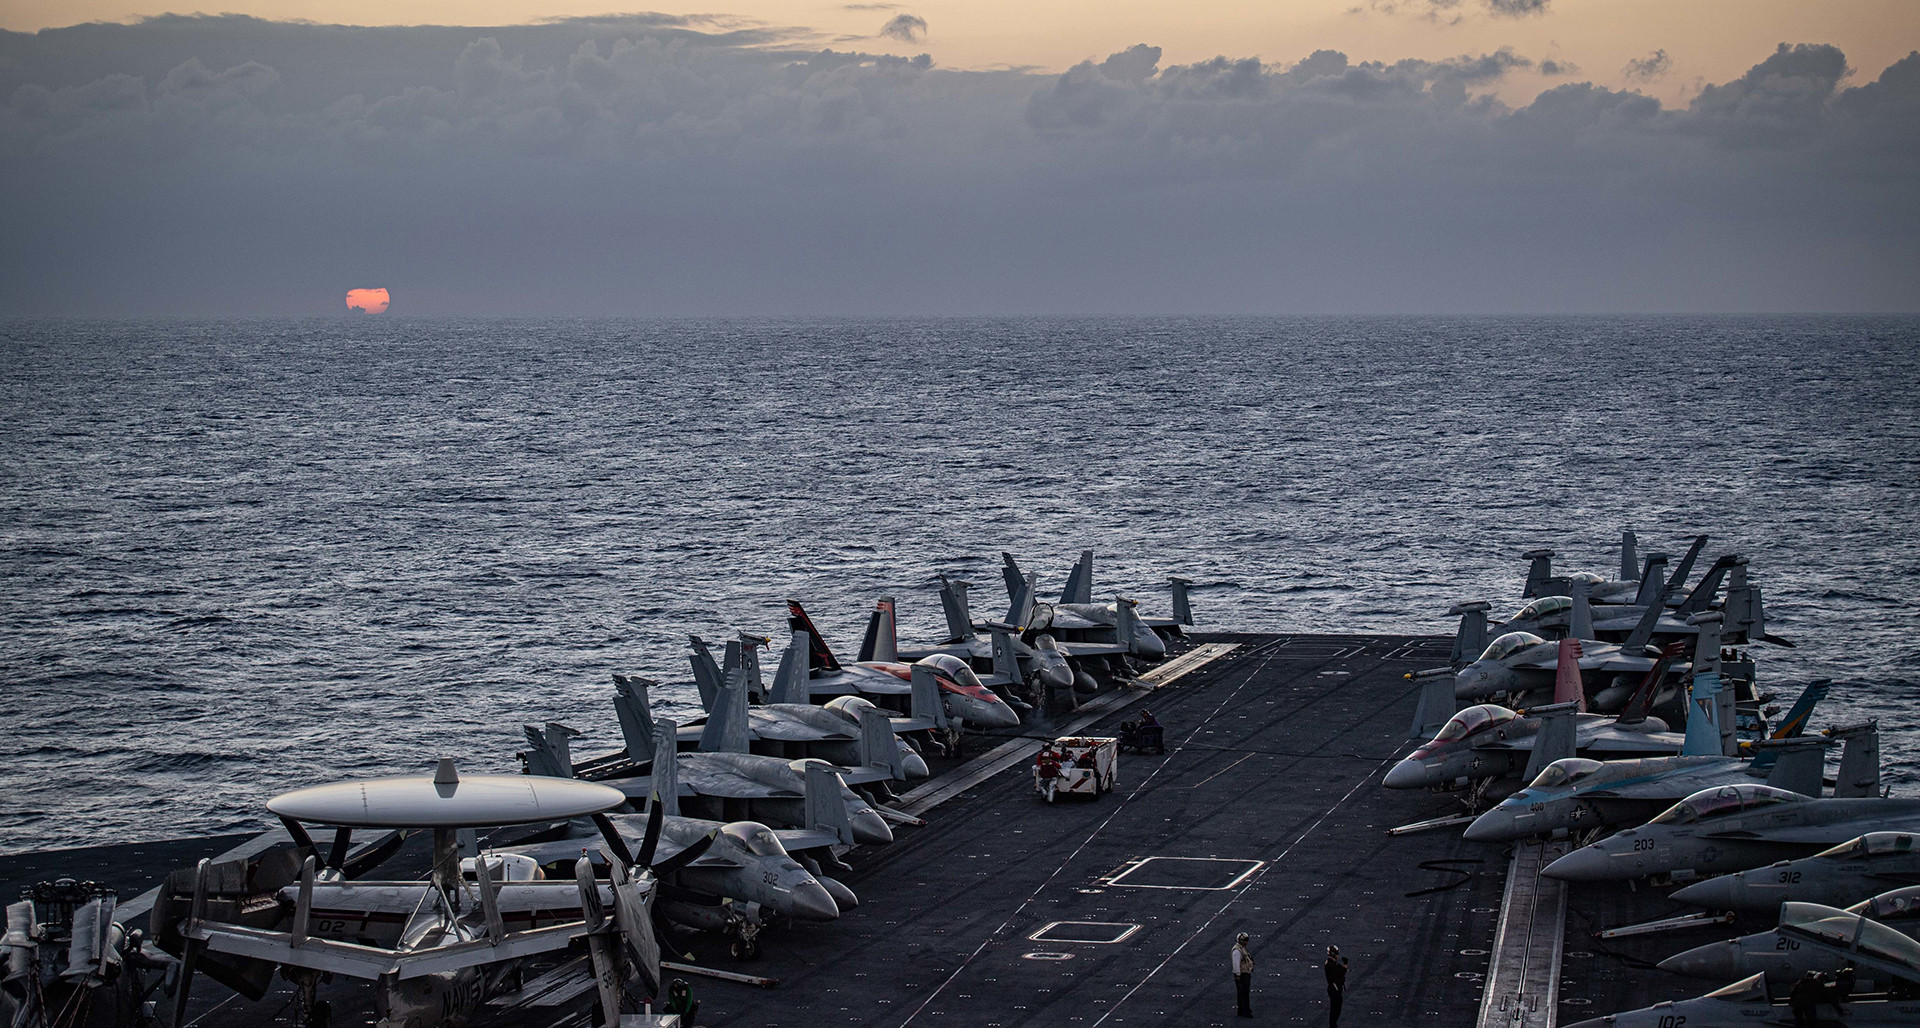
1545 606
1872 844
953 668
1846 931
1474 720
1565 771
1510 644
1723 801
756 837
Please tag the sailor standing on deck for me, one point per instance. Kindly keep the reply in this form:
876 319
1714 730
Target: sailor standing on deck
1336 968
1242 963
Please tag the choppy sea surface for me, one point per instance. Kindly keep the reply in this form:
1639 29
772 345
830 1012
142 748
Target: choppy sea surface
244 556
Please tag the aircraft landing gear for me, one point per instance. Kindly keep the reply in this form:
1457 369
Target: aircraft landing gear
745 933
309 1010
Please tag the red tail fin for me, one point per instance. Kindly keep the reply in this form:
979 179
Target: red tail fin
1642 701
819 658
1567 684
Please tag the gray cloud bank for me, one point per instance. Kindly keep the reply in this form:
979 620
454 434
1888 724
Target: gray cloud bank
665 165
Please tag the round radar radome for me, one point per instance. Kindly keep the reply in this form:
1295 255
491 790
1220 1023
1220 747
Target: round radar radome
446 800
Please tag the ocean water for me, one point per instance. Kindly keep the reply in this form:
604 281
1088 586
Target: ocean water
244 556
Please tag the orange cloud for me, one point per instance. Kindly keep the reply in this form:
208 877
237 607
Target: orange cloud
367 301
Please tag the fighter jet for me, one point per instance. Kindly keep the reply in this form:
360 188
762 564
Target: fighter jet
1076 618
1039 660
783 729
1848 873
1625 589
433 950
1579 794
747 870
886 680
1490 741
1733 828
1519 662
1781 958
1746 1004
735 786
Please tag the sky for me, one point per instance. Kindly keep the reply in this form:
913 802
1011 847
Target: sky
960 158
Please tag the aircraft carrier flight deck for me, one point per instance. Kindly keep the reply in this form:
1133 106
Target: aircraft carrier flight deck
1266 815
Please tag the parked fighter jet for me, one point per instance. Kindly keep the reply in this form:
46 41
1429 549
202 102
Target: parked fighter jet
1076 618
1578 794
1632 585
434 950
1519 662
1781 958
1745 1004
1733 828
735 786
1489 741
1040 661
788 729
966 696
1848 873
746 872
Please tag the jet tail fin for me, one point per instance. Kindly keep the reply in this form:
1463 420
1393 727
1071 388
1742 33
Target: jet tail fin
819 656
635 711
1709 585
1020 608
1859 774
726 728
1796 765
790 681
1538 571
1126 621
878 746
1678 580
756 686
1653 582
666 764
882 641
550 751
1436 705
1642 633
1182 605
1640 704
826 808
1010 574
1580 615
1629 555
1743 607
1006 660
1079 587
1470 639
1794 723
1568 686
1556 739
706 673
953 601
926 702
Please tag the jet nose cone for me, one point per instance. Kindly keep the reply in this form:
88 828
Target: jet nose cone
1472 683
995 715
1495 825
1150 645
870 828
812 902
914 765
1408 774
1716 961
1057 675
1582 865
843 897
1713 894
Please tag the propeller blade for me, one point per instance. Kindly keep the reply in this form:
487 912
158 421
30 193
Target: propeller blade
615 844
376 856
338 855
685 856
185 987
656 815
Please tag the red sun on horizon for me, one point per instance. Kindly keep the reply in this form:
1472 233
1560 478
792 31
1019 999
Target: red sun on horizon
367 301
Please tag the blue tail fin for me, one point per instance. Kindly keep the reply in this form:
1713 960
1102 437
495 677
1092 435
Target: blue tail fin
1795 721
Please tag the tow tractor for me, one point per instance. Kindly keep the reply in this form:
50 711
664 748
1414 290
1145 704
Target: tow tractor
1082 765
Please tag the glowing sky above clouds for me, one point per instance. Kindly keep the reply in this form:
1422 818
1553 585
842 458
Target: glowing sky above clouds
367 301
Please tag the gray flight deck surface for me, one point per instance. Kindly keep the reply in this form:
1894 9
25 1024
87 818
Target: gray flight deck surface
1266 816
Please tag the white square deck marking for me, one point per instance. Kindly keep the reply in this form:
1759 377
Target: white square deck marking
1198 873
1099 933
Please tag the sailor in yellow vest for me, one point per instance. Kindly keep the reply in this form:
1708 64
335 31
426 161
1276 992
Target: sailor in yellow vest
1242 963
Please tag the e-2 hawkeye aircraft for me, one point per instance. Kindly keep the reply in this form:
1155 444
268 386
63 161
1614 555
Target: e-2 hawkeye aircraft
433 950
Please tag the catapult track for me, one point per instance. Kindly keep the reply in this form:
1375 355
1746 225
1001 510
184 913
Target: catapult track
1266 815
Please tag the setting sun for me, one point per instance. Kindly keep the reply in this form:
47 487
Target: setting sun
367 301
